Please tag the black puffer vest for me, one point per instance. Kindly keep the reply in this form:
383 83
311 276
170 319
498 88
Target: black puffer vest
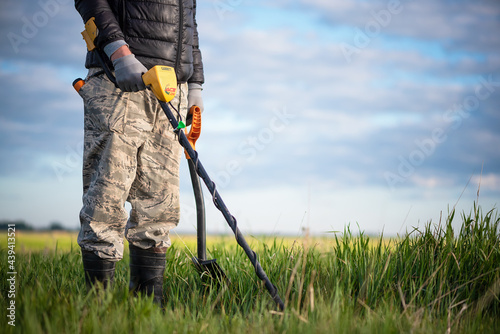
158 32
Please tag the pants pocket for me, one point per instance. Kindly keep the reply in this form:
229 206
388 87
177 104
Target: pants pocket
105 106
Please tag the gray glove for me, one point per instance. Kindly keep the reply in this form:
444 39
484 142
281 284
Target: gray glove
128 72
194 96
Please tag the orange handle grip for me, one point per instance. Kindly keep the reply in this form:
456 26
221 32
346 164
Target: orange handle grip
77 84
195 131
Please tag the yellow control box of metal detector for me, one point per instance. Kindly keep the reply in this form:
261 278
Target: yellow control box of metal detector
162 81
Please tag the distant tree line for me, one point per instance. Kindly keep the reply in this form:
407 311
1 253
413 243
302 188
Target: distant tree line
21 225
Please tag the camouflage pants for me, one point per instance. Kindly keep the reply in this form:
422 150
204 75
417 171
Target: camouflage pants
130 154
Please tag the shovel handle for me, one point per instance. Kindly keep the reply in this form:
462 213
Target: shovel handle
195 131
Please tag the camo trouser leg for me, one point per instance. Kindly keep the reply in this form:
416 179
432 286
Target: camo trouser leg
130 154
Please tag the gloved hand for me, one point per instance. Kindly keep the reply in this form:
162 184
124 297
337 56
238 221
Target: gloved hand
194 96
128 73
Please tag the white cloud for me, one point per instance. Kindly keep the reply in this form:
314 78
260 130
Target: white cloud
489 181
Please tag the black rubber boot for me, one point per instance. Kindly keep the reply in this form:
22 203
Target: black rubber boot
146 272
97 270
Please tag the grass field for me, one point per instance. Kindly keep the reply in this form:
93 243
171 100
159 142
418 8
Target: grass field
433 280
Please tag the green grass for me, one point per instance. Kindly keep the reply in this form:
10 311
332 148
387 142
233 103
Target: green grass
35 241
432 280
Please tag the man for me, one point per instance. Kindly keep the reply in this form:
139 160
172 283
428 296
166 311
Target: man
130 152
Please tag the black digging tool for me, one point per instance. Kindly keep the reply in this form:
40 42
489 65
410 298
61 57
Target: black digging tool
162 81
207 268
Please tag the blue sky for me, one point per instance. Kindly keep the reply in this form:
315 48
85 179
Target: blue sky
317 113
